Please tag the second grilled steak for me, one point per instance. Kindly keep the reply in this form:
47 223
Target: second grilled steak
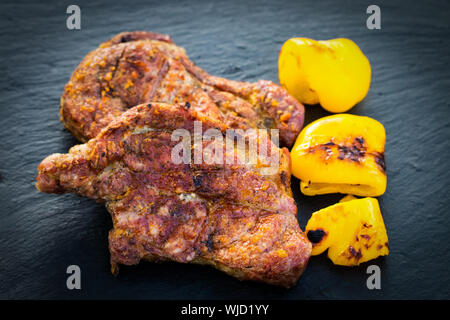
139 67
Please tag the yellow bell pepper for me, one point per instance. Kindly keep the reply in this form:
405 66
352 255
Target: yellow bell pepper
334 73
341 153
353 231
348 197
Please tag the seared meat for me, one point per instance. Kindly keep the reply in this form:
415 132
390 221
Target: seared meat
233 216
139 67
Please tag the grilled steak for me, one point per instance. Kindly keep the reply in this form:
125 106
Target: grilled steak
233 216
139 67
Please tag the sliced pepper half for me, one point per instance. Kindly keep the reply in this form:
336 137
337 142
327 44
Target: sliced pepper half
352 230
341 153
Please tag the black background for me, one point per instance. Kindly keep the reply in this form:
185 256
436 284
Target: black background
41 234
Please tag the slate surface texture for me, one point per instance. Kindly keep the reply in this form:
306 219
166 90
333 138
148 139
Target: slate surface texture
41 234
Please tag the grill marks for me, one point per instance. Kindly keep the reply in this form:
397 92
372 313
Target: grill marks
154 84
380 161
354 254
355 151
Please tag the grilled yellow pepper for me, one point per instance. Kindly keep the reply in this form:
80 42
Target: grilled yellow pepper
334 73
353 231
348 197
341 153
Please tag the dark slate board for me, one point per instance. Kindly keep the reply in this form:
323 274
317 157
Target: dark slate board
40 234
